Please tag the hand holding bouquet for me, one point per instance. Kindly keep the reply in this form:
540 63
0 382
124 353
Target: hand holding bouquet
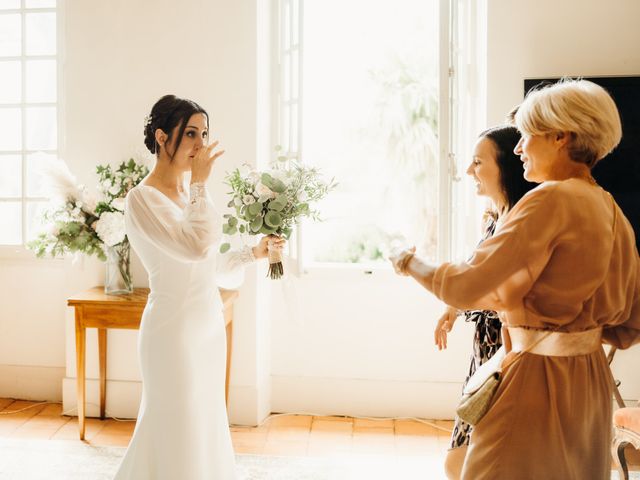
272 202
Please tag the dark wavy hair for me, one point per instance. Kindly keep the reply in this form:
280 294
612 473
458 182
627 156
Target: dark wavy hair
505 138
168 113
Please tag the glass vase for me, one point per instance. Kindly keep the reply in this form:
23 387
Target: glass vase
118 279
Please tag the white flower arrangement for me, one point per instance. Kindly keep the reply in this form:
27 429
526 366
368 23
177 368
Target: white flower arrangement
76 222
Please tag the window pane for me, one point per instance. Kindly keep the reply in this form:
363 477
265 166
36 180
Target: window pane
41 33
11 178
296 27
370 120
295 77
10 129
41 81
35 180
41 128
10 223
41 3
10 40
35 224
10 82
9 4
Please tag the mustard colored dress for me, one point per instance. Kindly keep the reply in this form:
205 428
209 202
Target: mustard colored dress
556 262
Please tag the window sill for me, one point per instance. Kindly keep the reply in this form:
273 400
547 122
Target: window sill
348 270
18 253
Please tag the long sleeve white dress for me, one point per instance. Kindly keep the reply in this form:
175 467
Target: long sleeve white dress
182 430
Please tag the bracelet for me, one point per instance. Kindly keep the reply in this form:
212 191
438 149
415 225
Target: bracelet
404 263
197 191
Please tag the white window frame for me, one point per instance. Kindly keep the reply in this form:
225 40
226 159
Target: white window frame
13 252
287 31
449 133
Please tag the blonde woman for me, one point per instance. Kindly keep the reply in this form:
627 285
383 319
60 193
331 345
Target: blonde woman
562 269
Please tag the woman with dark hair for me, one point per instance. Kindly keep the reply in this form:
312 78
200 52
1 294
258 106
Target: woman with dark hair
182 430
563 271
498 174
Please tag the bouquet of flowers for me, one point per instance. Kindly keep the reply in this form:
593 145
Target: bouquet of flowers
78 223
272 202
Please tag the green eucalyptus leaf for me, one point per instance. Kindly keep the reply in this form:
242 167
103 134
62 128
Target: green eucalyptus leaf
233 221
278 186
278 203
273 219
256 224
224 248
266 230
242 228
254 209
267 180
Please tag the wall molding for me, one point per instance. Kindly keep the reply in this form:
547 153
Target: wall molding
26 382
365 397
123 398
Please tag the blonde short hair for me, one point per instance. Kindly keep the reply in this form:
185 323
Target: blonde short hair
579 107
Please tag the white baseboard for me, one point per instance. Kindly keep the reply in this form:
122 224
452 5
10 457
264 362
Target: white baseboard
249 405
31 383
369 398
123 398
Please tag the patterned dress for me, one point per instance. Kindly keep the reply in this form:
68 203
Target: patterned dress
486 341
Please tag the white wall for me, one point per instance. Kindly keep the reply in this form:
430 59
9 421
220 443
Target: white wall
546 38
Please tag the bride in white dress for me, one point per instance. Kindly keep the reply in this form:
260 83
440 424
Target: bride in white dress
182 431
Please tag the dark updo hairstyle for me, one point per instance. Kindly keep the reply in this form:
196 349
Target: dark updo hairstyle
505 138
168 113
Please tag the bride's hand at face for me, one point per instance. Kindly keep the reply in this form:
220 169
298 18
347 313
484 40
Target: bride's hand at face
262 249
203 162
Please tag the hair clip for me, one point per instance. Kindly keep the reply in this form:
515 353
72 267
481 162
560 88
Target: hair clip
147 120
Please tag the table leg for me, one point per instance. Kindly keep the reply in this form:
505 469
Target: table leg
102 354
80 374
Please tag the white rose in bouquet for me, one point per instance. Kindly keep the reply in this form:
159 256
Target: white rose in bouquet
118 204
110 228
263 191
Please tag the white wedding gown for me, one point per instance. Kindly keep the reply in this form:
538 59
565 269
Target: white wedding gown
182 431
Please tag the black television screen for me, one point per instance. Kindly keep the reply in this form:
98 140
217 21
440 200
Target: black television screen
619 172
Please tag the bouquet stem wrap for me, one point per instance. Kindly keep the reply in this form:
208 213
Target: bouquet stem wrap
276 269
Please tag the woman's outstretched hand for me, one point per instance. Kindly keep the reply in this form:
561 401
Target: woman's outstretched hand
262 249
401 258
444 326
203 162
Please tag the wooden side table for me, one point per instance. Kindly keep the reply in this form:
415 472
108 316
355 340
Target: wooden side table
94 309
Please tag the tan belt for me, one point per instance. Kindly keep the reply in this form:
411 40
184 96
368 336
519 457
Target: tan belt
555 344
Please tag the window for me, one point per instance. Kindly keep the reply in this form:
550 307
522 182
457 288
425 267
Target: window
360 97
28 112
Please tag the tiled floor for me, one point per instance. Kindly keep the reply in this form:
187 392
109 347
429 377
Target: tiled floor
298 435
